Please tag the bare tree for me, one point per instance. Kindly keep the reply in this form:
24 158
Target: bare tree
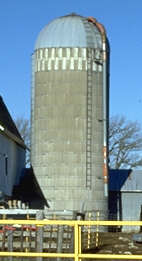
125 143
23 126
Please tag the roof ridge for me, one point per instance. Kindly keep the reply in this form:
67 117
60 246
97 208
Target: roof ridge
7 121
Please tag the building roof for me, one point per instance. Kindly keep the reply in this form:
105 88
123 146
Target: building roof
8 124
125 180
69 31
32 193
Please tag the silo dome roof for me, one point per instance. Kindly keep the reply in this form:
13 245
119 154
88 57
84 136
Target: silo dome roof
69 31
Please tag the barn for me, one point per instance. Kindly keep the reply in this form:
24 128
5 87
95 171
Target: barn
12 152
125 195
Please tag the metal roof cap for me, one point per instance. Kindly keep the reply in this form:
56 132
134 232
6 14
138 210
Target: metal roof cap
69 31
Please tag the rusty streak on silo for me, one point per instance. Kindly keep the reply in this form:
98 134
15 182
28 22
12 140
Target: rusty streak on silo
70 113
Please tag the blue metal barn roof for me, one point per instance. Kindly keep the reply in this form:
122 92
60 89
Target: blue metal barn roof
125 180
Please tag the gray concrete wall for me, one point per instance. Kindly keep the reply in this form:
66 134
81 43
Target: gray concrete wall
59 131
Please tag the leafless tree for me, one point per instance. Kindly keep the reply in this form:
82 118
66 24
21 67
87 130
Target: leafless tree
125 143
23 126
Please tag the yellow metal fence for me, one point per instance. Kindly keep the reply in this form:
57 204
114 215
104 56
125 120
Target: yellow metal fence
77 255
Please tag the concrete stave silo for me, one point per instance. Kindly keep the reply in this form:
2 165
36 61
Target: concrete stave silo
70 113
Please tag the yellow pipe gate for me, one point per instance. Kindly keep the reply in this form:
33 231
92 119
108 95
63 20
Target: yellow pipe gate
76 224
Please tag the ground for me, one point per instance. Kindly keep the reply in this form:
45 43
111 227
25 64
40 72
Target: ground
115 243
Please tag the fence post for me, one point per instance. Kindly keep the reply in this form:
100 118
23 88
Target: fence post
10 242
79 238
76 241
89 233
59 241
39 243
72 233
97 230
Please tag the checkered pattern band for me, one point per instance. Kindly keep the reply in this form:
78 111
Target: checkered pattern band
48 59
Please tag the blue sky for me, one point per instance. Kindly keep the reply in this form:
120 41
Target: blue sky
20 23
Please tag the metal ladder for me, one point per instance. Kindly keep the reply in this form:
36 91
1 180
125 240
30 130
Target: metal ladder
89 121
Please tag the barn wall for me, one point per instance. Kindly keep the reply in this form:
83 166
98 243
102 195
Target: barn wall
131 207
12 162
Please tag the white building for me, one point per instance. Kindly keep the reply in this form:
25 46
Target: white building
12 152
